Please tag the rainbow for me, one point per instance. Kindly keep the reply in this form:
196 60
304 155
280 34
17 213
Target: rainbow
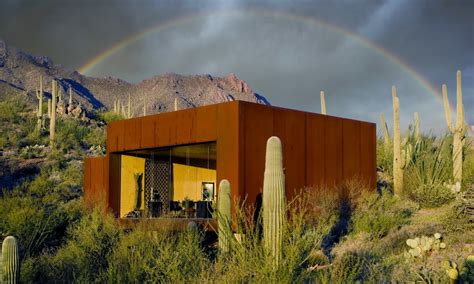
88 66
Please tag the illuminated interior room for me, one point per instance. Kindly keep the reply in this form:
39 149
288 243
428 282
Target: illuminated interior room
176 182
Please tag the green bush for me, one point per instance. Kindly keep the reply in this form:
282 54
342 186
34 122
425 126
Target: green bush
84 257
428 173
162 257
377 214
110 116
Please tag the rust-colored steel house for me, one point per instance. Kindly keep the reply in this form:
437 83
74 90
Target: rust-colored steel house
182 155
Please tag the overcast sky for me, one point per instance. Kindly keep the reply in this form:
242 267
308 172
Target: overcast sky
281 48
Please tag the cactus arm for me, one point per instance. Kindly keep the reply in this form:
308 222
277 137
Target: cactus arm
323 102
386 133
416 119
447 109
52 124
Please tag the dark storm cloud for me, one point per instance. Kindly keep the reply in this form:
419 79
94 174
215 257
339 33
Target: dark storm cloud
289 62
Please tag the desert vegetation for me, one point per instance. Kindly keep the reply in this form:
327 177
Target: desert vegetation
417 225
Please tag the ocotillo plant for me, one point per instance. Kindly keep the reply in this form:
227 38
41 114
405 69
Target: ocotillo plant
10 261
224 217
323 102
397 162
39 95
52 123
386 133
274 201
459 130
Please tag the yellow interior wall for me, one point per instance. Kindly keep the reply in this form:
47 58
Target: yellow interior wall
187 181
130 165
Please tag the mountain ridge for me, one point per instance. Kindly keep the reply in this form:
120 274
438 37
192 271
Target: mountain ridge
20 73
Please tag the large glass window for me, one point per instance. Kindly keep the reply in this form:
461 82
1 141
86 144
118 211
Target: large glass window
172 182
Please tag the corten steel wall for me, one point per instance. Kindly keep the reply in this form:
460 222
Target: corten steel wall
96 180
318 149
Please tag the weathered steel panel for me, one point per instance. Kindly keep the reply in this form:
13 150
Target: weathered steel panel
184 126
205 124
333 148
132 133
228 154
114 183
315 150
368 163
351 149
290 127
148 131
257 122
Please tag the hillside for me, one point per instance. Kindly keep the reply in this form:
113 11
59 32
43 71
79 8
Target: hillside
20 73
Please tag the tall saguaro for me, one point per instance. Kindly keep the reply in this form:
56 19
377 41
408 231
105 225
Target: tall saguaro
39 95
397 162
52 123
459 129
323 102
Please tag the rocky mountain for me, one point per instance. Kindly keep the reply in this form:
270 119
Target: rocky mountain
20 74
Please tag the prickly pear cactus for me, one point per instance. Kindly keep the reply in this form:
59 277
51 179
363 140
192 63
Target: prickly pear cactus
10 260
273 203
423 246
224 217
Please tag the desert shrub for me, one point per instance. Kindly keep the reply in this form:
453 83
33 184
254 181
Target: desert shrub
377 214
110 116
70 134
384 157
428 172
12 109
36 224
96 136
84 257
157 257
352 266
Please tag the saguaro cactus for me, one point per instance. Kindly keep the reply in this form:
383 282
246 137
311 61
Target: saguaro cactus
10 260
49 108
323 102
386 133
144 106
458 131
175 104
52 123
416 122
39 95
274 201
397 161
224 217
